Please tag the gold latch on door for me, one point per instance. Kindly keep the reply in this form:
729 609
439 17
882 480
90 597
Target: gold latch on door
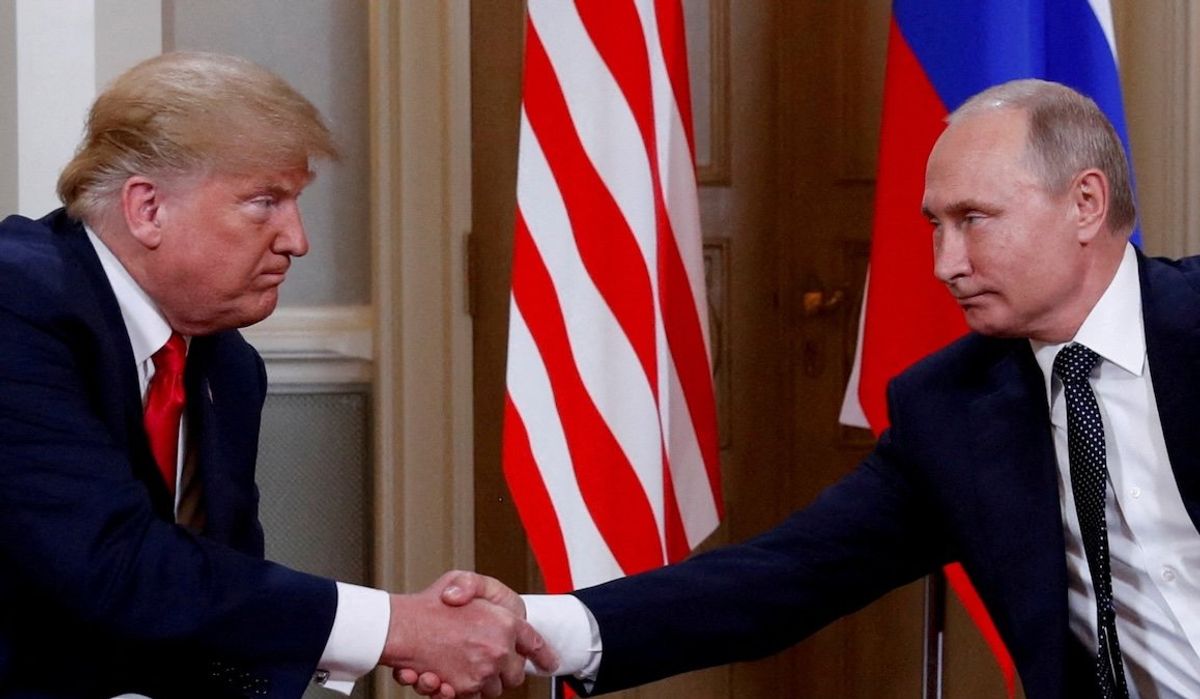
819 302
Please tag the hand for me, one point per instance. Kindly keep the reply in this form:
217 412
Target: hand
460 588
463 586
474 648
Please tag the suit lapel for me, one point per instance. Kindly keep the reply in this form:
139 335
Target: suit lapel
1021 571
1171 313
115 369
224 401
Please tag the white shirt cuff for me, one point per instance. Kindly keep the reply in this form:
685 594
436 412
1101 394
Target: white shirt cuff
356 641
568 626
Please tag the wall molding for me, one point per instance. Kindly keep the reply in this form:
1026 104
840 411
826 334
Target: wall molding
316 346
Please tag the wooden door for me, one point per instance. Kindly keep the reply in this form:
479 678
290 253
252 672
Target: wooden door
786 211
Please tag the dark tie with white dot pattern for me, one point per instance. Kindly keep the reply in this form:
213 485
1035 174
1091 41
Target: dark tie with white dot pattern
1089 483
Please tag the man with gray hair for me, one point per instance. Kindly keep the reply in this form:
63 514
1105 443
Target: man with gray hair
131 555
1052 451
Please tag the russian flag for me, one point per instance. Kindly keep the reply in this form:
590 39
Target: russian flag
941 52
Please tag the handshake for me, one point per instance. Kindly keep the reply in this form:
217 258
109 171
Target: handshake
464 636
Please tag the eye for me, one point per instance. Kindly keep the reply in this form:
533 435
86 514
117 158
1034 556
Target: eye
265 202
973 217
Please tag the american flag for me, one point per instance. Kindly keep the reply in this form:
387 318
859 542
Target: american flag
610 442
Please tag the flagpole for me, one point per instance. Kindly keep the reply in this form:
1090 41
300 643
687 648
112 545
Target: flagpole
557 688
935 634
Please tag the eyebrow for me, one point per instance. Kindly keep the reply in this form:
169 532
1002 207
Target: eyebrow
274 187
958 207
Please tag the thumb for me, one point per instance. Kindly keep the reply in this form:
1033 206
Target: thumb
460 587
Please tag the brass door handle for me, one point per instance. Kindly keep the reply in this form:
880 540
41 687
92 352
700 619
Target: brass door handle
817 302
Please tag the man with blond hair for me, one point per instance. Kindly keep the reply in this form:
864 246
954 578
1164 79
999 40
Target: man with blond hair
131 556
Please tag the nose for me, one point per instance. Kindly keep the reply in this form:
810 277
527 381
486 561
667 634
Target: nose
950 258
291 238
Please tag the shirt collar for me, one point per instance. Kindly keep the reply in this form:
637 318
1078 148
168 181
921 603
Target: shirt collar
1113 328
147 329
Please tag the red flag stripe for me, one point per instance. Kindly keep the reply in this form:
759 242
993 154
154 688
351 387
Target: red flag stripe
691 365
617 30
533 503
607 363
618 36
605 240
681 283
673 41
901 328
589 557
676 537
614 497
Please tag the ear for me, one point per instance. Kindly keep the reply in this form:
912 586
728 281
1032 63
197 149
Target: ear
141 204
1089 199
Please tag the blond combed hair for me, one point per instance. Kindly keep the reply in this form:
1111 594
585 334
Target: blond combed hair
1067 134
188 113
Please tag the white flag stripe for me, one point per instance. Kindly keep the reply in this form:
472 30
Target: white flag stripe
606 361
693 493
689 478
603 120
588 555
851 414
676 169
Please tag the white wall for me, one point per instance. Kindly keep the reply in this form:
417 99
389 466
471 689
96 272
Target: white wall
55 54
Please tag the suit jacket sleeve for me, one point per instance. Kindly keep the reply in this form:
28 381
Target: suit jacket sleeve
865 535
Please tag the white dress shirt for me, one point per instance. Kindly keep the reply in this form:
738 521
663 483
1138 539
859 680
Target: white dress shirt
1153 545
361 621
1154 548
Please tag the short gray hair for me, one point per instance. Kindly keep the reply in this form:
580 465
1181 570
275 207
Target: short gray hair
1067 134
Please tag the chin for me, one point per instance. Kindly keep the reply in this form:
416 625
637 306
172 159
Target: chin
251 320
260 311
992 327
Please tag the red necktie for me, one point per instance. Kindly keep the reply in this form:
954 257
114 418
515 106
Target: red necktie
164 407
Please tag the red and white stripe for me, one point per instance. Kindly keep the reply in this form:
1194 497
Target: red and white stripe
610 443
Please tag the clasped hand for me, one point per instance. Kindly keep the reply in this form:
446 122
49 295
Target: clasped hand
464 636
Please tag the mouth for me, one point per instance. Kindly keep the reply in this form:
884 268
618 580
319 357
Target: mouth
970 299
278 270
272 277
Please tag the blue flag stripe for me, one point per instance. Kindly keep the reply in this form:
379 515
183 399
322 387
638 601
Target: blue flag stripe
967 46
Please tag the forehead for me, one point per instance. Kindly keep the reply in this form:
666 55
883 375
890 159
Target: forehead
978 153
289 180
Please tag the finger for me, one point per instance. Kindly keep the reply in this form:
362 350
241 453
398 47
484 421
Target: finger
492 687
531 645
447 692
499 594
420 685
429 684
512 671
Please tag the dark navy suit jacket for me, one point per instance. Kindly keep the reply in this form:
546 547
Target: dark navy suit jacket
967 472
102 593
